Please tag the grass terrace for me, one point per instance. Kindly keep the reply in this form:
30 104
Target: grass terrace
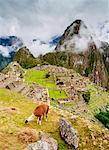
39 77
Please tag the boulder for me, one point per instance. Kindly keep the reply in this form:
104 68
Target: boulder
45 143
28 135
40 145
69 133
52 142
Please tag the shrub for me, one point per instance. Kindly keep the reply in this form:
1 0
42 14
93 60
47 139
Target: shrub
104 118
86 96
47 75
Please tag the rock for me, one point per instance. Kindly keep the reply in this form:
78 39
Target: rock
52 142
100 139
84 143
94 143
10 110
69 133
105 141
40 145
74 117
28 135
45 143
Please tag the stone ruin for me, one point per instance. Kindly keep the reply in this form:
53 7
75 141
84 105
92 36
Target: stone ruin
15 86
59 71
72 83
15 70
12 80
37 92
68 80
33 91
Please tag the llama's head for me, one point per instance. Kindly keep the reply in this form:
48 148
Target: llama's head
31 118
26 121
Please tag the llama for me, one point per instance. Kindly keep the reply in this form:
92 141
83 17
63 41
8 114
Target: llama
39 112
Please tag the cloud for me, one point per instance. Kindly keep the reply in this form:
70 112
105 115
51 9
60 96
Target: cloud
38 47
43 19
4 51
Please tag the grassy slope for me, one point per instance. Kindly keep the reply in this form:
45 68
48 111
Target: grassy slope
98 100
10 124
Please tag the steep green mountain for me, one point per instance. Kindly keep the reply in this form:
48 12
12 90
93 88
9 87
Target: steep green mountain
93 65
77 49
105 53
25 58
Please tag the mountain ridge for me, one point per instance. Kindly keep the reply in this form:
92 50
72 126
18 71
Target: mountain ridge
92 63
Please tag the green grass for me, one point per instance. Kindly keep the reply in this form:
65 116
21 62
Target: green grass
32 73
10 124
103 116
38 76
98 99
56 94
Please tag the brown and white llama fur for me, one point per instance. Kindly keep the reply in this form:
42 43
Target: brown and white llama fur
39 112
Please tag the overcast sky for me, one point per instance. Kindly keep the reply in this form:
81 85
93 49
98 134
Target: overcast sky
43 19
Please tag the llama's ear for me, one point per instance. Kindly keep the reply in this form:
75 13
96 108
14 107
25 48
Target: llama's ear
26 121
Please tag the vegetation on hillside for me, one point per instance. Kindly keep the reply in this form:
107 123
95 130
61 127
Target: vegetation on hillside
56 58
84 63
103 116
25 58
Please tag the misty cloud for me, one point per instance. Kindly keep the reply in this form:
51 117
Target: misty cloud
4 51
43 19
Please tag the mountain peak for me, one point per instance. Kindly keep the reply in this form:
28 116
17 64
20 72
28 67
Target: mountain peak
78 21
75 38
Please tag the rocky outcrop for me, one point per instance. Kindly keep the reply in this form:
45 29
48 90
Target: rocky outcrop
40 145
13 70
73 38
52 142
45 143
69 133
105 53
28 135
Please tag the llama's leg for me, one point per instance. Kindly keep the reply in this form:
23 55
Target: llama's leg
43 116
37 120
46 117
40 120
47 113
